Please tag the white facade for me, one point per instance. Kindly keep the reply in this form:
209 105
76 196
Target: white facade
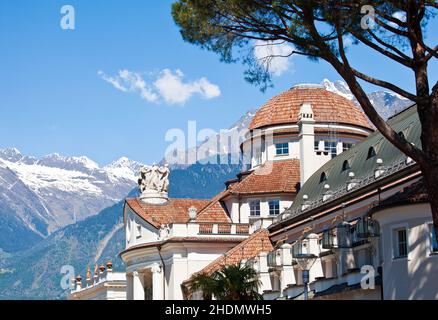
414 276
160 260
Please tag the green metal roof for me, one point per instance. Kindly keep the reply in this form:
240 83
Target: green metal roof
363 167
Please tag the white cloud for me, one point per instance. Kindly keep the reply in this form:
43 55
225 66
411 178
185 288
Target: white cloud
273 56
165 85
174 91
400 15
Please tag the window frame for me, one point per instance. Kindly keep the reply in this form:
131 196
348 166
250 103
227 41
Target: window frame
330 146
316 145
251 203
396 244
275 209
283 146
347 143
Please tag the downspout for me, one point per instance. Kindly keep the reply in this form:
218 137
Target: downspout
164 271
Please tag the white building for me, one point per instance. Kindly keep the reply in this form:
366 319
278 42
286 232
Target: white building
363 214
295 140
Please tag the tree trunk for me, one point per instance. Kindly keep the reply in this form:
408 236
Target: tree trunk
429 139
430 175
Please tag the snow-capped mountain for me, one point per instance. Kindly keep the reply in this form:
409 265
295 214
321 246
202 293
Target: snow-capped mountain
386 103
216 149
43 195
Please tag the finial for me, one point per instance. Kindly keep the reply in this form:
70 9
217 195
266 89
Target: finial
88 273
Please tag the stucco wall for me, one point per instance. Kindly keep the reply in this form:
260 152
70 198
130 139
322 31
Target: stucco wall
414 277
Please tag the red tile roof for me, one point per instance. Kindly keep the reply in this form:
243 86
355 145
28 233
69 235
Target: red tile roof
249 248
272 177
174 211
327 107
215 211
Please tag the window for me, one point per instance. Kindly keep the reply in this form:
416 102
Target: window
346 166
401 243
138 231
371 153
323 177
254 208
282 149
258 156
274 207
434 243
346 146
331 146
316 145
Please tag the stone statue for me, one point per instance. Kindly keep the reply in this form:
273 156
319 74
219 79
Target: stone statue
154 183
164 179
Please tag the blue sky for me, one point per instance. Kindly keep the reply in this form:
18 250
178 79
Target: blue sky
53 99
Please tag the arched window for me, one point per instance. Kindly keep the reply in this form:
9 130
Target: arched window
323 177
371 152
346 166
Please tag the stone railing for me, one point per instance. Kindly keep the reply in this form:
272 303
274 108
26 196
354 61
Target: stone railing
101 275
206 229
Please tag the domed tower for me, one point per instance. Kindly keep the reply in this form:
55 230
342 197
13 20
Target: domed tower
306 122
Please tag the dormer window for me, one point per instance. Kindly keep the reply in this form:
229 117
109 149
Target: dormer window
346 166
371 153
323 177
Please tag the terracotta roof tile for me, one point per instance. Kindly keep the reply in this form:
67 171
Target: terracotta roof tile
215 211
327 107
272 177
249 248
174 211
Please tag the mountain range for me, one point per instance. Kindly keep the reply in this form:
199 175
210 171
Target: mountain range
40 196
59 210
386 103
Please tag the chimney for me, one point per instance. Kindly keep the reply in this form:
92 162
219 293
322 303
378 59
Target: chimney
306 125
